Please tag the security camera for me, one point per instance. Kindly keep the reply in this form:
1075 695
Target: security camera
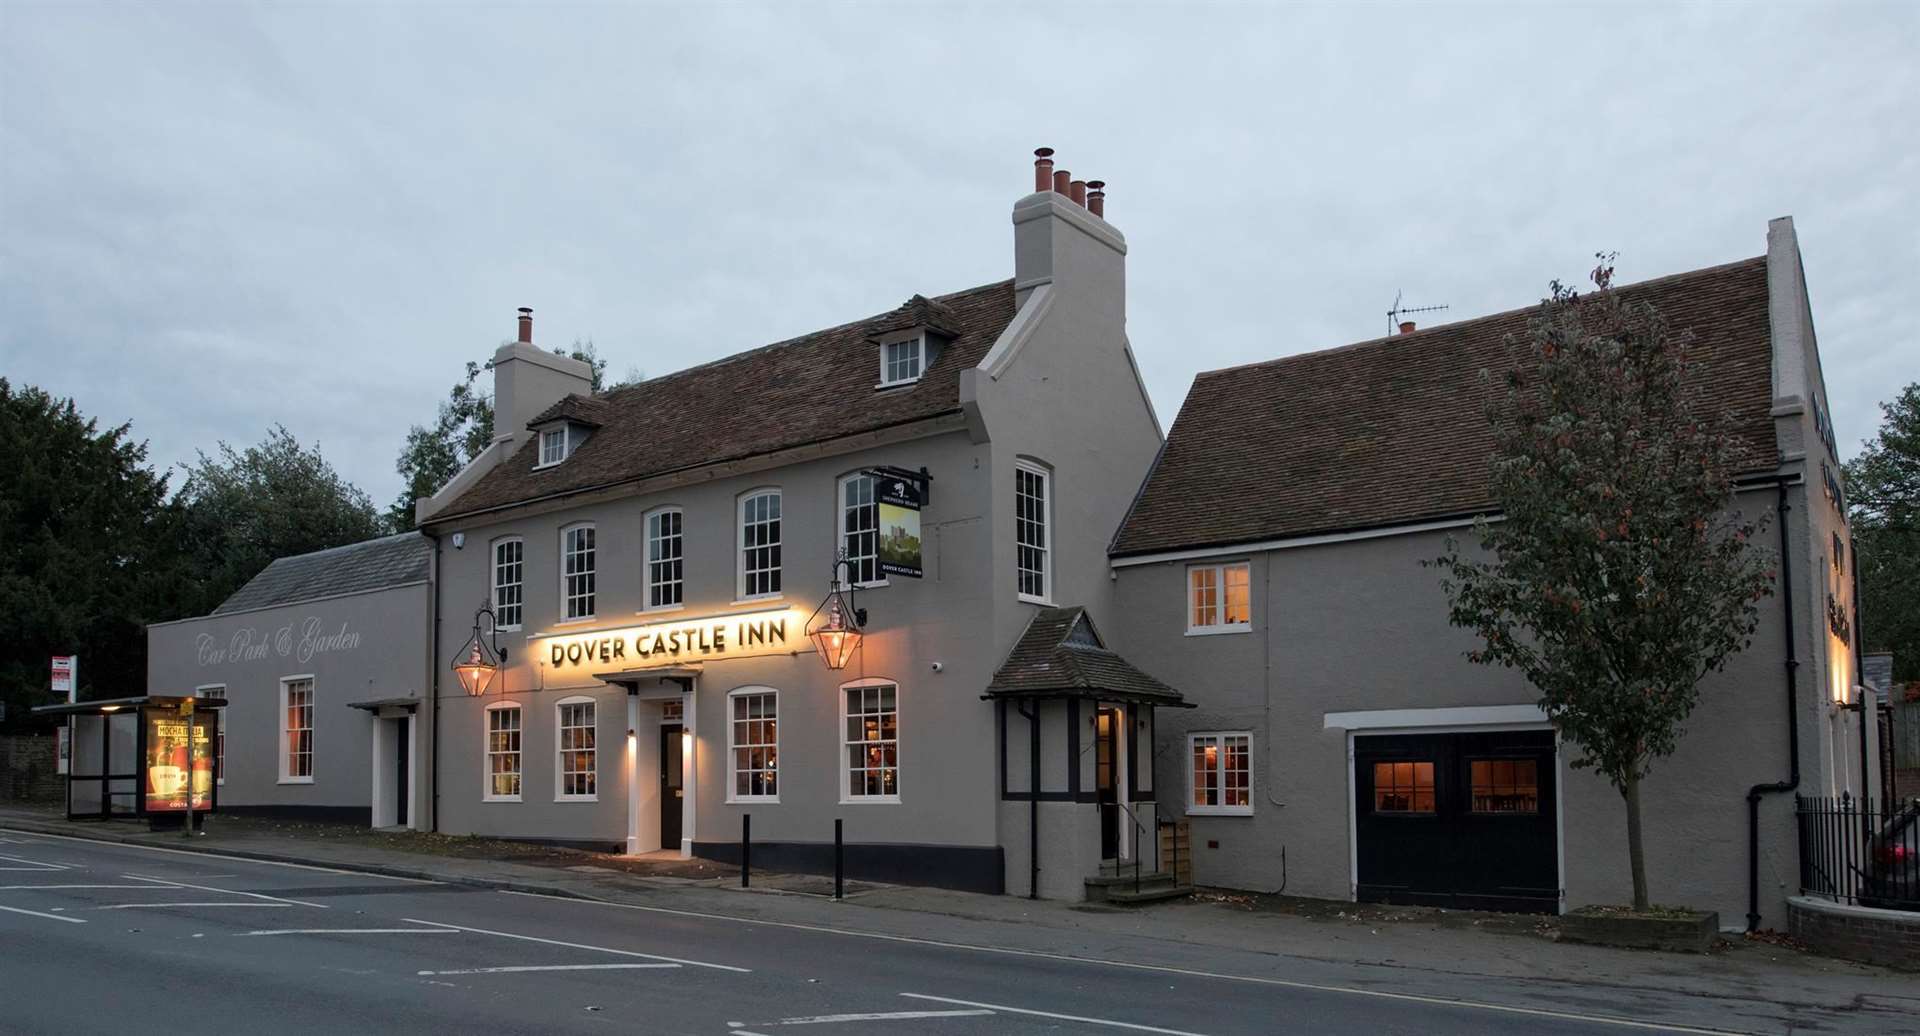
459 540
938 667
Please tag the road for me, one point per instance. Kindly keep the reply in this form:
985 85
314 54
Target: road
98 937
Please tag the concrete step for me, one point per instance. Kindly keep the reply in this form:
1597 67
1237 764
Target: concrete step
1105 879
1158 893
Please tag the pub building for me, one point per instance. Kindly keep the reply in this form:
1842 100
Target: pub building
937 575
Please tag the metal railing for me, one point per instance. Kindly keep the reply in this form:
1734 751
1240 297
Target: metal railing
1853 853
1139 833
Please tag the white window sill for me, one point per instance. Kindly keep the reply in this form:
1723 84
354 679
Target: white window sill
885 385
574 798
515 628
1214 631
581 620
554 464
662 609
870 800
877 584
1031 599
294 780
761 599
500 798
753 800
1219 811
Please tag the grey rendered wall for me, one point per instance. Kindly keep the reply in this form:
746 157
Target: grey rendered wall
1361 625
947 785
250 652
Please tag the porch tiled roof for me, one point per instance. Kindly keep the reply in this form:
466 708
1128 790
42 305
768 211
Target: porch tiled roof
1061 653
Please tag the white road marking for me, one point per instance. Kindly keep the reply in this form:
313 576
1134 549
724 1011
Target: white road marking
1110 1023
32 865
164 906
228 892
234 859
354 931
584 946
514 968
876 1016
36 913
1478 1005
12 888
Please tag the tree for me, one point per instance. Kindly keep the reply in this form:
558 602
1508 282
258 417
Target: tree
1618 575
1883 492
85 547
244 508
461 430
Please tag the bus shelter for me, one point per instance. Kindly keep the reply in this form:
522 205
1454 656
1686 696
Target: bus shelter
134 758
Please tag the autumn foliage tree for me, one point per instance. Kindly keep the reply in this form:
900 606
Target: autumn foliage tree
1618 573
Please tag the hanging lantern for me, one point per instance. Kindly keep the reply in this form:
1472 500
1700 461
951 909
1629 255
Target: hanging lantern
838 635
477 669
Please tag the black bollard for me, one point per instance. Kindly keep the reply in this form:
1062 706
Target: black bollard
746 847
839 862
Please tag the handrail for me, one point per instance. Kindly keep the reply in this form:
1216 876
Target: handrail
1139 829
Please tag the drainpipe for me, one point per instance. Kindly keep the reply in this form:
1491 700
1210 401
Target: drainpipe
1033 800
433 684
1793 718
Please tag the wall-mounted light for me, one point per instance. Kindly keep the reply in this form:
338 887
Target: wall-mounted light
481 662
837 637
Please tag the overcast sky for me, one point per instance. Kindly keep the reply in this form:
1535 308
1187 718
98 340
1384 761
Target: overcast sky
217 218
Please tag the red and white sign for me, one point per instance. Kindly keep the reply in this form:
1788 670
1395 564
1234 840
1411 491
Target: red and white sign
66 675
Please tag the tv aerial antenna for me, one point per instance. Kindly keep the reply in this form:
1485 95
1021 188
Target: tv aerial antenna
1398 311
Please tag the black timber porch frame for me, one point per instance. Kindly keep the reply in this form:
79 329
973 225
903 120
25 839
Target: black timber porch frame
1073 792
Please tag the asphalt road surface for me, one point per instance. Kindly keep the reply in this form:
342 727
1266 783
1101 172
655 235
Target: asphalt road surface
110 938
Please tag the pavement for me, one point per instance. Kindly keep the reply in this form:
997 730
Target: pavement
344 932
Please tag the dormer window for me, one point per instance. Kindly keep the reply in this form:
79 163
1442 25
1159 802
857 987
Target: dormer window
558 443
902 361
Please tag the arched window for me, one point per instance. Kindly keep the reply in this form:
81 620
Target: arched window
666 554
759 544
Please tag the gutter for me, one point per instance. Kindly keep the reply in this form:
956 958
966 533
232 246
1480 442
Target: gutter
433 684
1792 663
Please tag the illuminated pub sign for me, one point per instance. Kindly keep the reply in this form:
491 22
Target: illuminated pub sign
777 631
170 767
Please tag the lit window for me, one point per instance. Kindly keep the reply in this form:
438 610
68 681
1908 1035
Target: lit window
873 742
1032 546
901 362
753 736
219 730
760 544
860 528
503 753
553 446
1505 785
577 756
1218 599
296 735
665 559
1220 772
577 573
1403 787
508 571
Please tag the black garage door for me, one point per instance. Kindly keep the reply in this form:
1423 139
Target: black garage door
1457 820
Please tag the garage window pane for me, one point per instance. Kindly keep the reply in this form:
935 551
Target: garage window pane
1403 787
1505 785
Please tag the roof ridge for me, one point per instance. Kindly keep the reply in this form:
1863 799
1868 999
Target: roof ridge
796 339
1388 340
346 546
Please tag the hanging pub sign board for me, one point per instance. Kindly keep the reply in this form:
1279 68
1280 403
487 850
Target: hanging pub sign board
898 501
171 768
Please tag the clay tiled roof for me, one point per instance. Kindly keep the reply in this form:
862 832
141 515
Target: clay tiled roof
1393 431
805 390
356 567
1062 654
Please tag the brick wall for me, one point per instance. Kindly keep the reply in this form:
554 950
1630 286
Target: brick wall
28 771
1886 937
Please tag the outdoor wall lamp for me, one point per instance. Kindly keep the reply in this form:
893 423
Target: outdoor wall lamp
838 636
477 669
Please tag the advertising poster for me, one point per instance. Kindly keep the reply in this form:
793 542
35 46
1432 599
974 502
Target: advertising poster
169 764
898 502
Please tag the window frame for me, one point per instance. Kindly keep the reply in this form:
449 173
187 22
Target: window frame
776 545
1473 787
647 523
487 753
219 728
1045 523
540 447
283 776
592 573
734 747
847 796
560 727
1219 570
1413 790
918 340
840 522
1223 809
493 569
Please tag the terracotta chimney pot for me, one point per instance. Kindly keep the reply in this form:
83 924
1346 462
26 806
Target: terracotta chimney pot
1061 178
1077 190
526 325
1097 197
1406 327
1042 169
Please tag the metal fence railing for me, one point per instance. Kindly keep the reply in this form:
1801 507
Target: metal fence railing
1853 853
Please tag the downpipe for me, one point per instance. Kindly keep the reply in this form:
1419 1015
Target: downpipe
1793 718
433 684
1033 800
